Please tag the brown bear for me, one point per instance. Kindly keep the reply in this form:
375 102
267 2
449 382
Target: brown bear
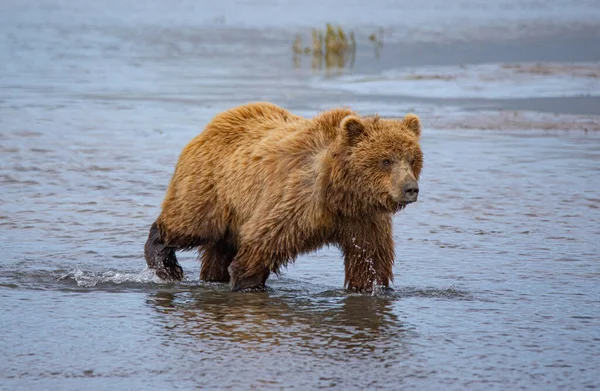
261 185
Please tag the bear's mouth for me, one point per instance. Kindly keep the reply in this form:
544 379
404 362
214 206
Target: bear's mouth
395 207
398 206
401 206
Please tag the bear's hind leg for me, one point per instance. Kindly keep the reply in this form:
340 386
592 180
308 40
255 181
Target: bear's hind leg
161 257
215 260
248 272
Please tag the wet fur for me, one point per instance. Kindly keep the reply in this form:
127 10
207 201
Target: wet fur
260 186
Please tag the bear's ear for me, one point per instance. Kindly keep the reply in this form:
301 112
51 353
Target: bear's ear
353 128
413 123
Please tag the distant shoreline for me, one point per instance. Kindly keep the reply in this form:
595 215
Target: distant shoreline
580 46
562 46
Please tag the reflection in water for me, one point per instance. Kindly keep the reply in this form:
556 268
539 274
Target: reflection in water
377 39
347 327
333 50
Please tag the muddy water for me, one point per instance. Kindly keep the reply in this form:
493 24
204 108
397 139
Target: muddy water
497 269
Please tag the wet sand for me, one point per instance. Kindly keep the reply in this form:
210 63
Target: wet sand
514 120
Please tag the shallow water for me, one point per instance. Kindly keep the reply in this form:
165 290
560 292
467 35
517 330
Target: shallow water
497 264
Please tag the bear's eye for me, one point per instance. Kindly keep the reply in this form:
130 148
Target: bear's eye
386 162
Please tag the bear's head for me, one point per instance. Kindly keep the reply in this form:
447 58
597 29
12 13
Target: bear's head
376 164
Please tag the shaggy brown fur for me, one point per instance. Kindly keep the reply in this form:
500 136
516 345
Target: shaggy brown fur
260 186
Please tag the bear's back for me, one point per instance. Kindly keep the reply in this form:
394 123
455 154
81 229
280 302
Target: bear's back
248 124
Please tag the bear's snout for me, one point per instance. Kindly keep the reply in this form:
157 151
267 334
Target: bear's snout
411 191
404 186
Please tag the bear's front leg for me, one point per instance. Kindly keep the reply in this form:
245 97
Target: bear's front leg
368 256
161 257
248 271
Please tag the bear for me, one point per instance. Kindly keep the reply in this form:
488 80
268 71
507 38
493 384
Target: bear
260 186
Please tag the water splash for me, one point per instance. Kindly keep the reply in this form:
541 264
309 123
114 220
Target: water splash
91 279
374 287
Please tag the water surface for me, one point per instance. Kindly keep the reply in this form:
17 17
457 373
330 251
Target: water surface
497 264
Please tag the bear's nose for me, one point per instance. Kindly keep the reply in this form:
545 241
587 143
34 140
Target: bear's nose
411 191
